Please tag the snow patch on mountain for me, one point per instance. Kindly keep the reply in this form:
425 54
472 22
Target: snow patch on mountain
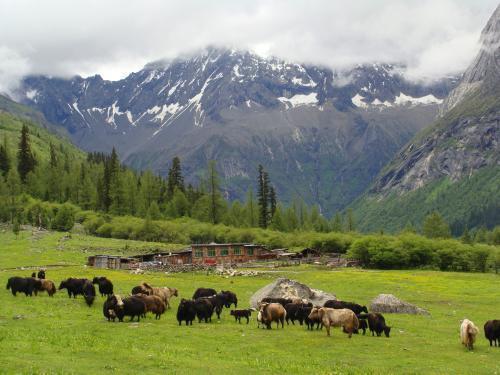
32 94
300 100
357 100
403 99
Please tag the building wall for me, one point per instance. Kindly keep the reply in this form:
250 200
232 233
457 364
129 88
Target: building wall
217 254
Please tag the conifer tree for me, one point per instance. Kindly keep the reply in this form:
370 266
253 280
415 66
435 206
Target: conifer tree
4 158
273 201
213 193
350 220
337 224
175 179
263 197
435 226
250 209
25 159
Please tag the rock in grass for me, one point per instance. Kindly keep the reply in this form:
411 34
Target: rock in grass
286 288
388 303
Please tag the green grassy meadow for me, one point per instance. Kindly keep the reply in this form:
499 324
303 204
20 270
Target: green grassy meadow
62 335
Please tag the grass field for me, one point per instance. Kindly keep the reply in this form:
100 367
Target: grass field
62 335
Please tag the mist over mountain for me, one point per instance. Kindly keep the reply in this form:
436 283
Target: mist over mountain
322 134
454 165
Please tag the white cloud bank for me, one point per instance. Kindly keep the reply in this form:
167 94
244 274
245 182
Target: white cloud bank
62 38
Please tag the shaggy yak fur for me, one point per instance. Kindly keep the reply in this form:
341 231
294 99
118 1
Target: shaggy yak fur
105 285
47 286
357 309
204 292
376 323
344 318
273 312
26 285
238 314
154 304
492 332
186 311
468 333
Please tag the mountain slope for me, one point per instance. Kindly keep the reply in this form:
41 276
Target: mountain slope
13 116
452 163
322 134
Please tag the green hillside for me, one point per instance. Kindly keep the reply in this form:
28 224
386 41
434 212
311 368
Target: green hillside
470 202
41 138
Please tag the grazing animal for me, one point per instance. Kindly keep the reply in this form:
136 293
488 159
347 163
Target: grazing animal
221 300
293 312
302 315
26 285
105 285
259 319
88 290
204 309
492 332
230 298
130 306
468 333
154 304
33 275
357 309
108 308
282 301
273 312
204 292
142 289
41 274
74 286
363 325
186 311
47 286
376 324
164 293
344 318
238 314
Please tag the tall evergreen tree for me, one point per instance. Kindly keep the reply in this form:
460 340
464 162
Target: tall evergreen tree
337 223
213 193
250 209
273 201
25 159
350 220
4 158
175 179
263 197
435 226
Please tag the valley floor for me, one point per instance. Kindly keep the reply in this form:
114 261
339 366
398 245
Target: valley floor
62 335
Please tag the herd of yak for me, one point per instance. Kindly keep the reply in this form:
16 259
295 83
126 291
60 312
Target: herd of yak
144 298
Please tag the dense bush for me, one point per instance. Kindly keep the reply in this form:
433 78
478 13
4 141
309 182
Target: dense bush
411 251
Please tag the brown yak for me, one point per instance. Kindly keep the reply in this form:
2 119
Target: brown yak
153 304
272 312
47 286
344 318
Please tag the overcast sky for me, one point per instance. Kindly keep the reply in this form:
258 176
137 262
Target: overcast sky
113 38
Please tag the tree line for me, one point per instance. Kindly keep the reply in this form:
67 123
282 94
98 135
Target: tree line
101 183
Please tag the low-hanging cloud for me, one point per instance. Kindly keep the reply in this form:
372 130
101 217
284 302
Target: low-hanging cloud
113 37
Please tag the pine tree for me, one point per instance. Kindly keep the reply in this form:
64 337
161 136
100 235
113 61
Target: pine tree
175 179
263 197
337 224
213 193
466 237
250 209
25 159
350 221
4 158
435 226
273 201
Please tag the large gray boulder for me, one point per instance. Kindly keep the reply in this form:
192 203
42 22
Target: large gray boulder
388 303
286 288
